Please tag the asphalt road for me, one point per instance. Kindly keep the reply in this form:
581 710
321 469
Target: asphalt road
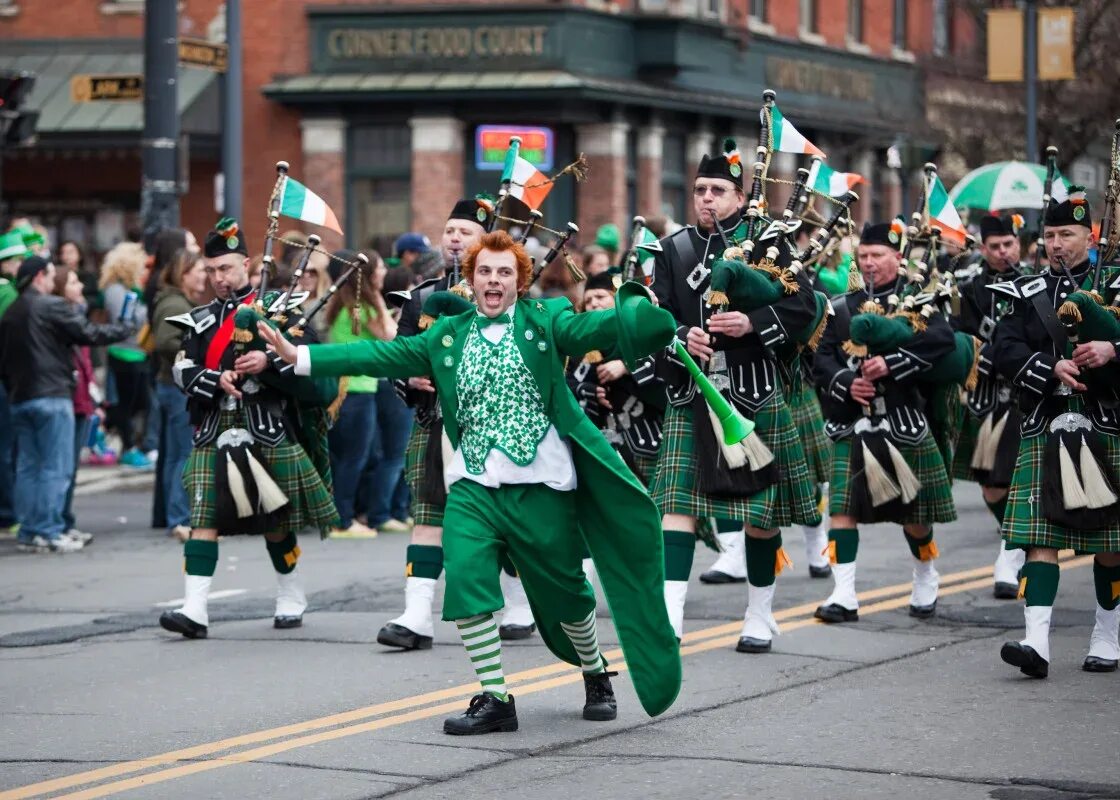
97 701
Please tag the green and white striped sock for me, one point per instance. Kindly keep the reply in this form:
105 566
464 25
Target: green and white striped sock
586 642
484 646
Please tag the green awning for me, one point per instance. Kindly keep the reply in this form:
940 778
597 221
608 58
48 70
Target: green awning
56 61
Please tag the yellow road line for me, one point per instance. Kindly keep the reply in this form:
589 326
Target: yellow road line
695 642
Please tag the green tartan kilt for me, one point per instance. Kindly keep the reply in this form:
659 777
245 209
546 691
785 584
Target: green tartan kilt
935 499
962 458
643 467
423 513
1024 525
311 504
806 410
792 500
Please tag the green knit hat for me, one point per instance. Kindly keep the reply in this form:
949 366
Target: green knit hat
608 236
12 246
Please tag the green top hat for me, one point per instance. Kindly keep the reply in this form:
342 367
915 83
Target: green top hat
608 236
12 246
642 326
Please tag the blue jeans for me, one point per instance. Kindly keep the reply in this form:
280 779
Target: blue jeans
7 458
388 492
44 432
352 438
82 426
175 437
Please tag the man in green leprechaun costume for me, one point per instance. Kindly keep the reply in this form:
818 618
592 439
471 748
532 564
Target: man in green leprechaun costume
1058 347
247 471
531 477
694 481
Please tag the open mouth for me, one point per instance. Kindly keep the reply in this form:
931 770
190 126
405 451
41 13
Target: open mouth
492 296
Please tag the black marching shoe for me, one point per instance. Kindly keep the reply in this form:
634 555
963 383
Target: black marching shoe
486 714
1098 664
749 644
288 621
600 705
1005 591
924 612
180 623
394 635
510 633
834 612
715 576
1026 658
820 572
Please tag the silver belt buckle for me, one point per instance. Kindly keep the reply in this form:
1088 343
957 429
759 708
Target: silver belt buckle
879 407
229 403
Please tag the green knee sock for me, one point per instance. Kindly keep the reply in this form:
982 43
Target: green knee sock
586 642
680 547
423 561
484 647
200 557
728 525
762 559
1038 583
1107 581
284 553
843 544
998 508
922 549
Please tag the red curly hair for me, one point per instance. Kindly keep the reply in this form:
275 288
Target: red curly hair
500 242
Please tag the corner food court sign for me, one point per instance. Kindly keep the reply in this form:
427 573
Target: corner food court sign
420 45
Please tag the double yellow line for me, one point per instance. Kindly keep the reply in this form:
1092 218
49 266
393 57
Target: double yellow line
265 743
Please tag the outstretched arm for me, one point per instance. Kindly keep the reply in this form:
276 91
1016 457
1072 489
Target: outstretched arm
400 358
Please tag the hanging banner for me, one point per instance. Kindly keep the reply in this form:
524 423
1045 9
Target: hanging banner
1055 44
1005 44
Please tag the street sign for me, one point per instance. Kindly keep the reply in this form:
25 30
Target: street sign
201 53
84 88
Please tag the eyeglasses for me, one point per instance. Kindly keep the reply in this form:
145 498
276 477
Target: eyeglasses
716 191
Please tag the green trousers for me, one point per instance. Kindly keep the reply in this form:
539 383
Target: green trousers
537 528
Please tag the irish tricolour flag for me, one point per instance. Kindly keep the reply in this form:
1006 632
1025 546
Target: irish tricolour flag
941 212
299 202
825 180
787 139
527 183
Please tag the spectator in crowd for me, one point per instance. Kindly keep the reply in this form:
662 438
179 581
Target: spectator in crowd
316 281
426 266
255 264
12 253
37 336
87 394
386 499
595 260
409 247
70 255
122 271
184 286
287 255
354 434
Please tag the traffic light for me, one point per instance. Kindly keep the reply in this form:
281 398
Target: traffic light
17 126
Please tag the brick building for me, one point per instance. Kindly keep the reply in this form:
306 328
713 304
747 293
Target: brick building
382 107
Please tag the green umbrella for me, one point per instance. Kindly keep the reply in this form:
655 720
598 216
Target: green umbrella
1005 185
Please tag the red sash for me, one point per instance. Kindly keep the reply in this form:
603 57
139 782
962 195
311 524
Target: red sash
222 338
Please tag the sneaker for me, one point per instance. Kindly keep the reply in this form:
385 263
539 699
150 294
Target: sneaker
356 531
81 536
394 526
135 459
41 544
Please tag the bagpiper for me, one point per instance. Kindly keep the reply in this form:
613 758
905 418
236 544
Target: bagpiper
989 435
1058 347
694 481
423 471
886 463
531 476
247 472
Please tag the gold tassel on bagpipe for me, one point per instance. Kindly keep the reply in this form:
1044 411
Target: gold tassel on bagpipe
855 280
917 321
733 254
788 281
1070 313
593 357
336 404
425 322
573 269
718 298
853 349
870 307
973 378
242 335
815 340
462 290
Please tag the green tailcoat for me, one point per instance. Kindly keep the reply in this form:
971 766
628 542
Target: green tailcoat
618 521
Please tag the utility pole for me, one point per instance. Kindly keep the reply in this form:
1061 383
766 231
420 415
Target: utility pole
159 191
232 168
1030 65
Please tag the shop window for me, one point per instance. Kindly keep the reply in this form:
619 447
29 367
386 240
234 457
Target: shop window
379 159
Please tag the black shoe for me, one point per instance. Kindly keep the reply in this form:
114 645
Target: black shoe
1005 591
715 576
1098 664
394 635
820 572
1025 657
924 612
749 644
486 714
180 623
509 633
600 705
834 612
288 621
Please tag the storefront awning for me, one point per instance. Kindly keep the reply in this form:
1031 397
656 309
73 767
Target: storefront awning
56 62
